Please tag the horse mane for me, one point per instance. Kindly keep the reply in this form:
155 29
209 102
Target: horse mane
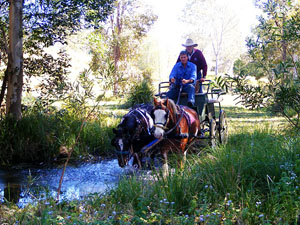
146 106
173 106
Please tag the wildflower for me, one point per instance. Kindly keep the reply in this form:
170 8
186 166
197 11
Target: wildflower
229 202
206 186
172 203
258 203
114 213
261 215
165 199
83 210
167 202
161 201
201 219
180 213
186 216
50 213
103 205
293 174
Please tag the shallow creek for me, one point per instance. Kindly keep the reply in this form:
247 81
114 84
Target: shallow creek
24 184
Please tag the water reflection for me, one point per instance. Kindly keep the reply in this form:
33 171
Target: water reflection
23 185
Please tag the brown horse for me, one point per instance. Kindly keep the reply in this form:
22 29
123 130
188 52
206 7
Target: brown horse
178 125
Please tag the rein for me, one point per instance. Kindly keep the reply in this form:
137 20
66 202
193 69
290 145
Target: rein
164 127
122 152
177 123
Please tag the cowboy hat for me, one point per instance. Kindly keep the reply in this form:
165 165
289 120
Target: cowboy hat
189 42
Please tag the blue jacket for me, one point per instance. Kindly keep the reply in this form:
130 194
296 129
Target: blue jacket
179 72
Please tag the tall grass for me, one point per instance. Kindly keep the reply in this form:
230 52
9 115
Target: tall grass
39 136
254 179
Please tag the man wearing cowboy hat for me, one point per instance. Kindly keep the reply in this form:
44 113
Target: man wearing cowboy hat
195 56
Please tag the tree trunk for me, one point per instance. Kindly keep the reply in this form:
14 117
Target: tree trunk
3 88
116 60
216 68
15 60
117 31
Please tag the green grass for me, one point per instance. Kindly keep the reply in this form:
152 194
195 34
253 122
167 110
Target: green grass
39 135
254 179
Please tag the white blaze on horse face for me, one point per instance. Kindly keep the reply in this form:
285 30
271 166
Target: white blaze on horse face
160 119
121 145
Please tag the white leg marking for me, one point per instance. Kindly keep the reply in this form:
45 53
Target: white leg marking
121 145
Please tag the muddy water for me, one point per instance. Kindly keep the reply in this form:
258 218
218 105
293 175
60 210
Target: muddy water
24 185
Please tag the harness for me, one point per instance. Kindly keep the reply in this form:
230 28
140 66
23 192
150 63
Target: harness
170 130
148 125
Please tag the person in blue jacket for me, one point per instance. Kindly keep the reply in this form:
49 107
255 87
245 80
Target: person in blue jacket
183 77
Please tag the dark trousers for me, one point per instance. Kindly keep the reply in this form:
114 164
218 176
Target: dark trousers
199 75
187 88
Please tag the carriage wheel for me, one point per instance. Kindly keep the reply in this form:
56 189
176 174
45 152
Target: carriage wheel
213 133
223 128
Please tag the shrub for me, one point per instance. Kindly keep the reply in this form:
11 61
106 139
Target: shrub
38 136
141 93
288 101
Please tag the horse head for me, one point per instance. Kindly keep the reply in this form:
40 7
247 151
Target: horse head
132 133
122 140
164 116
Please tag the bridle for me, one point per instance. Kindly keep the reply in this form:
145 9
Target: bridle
164 125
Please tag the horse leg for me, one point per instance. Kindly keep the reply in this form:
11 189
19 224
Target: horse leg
182 159
138 160
165 169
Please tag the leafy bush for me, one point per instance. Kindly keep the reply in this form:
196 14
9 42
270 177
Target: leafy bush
141 93
39 136
272 62
288 100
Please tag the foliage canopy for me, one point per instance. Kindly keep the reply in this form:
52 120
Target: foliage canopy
272 60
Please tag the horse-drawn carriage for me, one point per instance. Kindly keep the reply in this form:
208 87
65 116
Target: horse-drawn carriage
208 107
147 130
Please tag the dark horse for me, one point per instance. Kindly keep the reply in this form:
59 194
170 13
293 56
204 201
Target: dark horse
132 134
178 125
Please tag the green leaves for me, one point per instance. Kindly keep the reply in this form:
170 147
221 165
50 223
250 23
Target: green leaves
266 75
288 100
141 93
